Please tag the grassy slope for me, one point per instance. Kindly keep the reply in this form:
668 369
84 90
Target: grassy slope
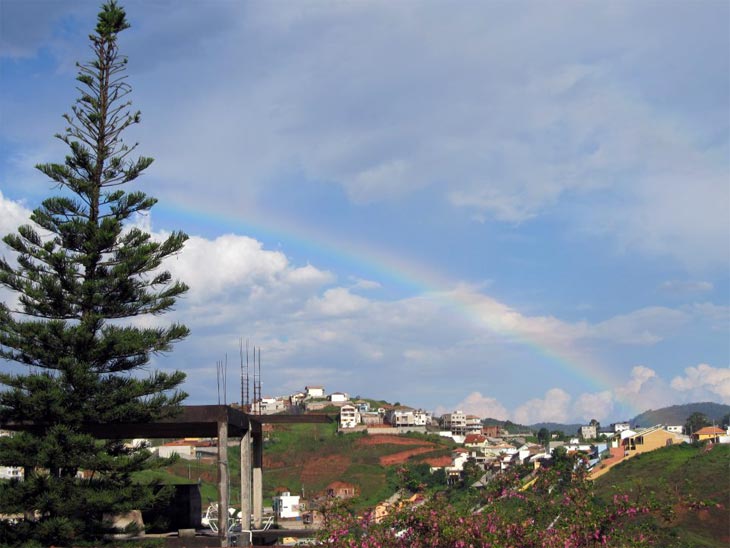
313 456
682 471
308 456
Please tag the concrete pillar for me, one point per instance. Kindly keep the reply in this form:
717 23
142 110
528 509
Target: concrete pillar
246 481
223 481
258 479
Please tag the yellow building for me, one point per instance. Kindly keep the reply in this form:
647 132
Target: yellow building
649 439
711 433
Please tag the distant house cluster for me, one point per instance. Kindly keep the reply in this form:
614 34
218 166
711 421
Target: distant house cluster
358 415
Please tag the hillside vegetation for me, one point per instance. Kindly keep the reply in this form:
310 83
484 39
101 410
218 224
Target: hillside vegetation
678 414
695 474
306 458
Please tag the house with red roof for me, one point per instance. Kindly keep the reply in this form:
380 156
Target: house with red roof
708 433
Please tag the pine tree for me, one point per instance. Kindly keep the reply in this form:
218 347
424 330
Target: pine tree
81 270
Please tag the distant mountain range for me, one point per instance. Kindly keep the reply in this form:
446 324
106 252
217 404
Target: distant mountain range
676 414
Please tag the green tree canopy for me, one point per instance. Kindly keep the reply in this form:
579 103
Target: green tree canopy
81 269
696 421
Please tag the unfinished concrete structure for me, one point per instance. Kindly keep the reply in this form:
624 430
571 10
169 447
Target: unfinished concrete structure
210 421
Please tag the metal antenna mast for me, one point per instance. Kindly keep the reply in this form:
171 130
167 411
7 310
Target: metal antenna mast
256 404
244 377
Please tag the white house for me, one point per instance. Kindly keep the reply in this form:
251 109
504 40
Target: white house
268 406
499 449
11 472
407 416
349 416
620 426
185 450
473 425
339 397
458 460
421 417
286 505
675 429
314 391
618 440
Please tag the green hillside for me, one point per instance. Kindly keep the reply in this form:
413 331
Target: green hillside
306 458
677 414
698 476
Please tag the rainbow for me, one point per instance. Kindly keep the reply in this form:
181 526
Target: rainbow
414 279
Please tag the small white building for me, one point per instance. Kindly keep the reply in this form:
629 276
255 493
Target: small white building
401 417
297 397
11 472
182 449
473 424
268 406
458 459
314 391
675 428
286 505
349 416
421 417
620 426
339 397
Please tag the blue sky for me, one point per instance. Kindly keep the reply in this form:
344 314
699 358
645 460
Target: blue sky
521 210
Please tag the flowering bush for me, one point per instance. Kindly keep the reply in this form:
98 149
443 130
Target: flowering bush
558 509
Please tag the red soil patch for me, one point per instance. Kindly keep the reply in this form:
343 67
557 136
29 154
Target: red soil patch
320 470
271 463
381 439
403 456
438 462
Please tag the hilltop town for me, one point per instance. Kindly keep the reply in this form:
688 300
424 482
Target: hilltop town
476 444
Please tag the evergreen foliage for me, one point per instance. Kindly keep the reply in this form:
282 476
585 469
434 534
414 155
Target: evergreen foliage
696 421
81 271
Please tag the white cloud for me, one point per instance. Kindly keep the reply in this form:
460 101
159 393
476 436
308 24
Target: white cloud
31 25
704 379
309 276
338 302
386 101
646 390
597 405
12 215
239 288
359 283
716 316
482 406
231 265
645 326
554 407
686 286
639 376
